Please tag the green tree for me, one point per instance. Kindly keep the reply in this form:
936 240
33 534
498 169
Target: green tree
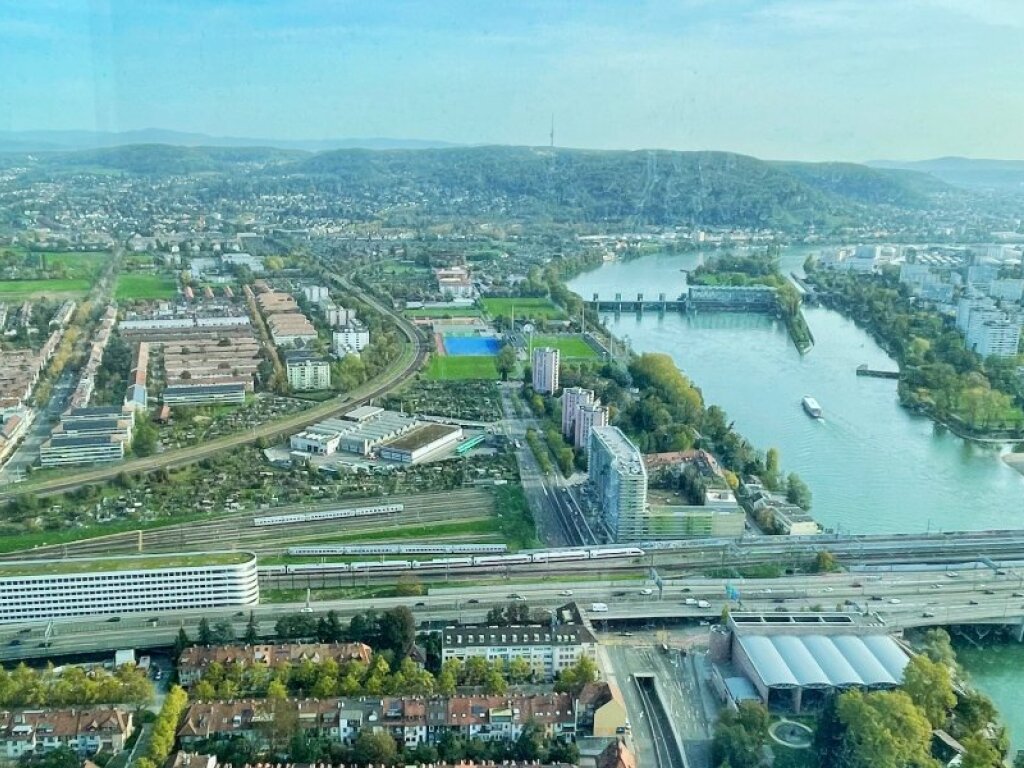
825 562
882 728
797 491
929 686
572 679
374 748
980 753
204 635
506 361
252 630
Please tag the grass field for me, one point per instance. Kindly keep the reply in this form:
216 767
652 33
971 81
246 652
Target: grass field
10 289
146 287
537 308
442 312
570 345
443 368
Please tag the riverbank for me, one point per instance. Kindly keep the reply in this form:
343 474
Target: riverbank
1015 461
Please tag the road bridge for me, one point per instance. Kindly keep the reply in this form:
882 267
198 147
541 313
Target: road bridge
895 600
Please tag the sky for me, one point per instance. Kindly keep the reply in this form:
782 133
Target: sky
783 79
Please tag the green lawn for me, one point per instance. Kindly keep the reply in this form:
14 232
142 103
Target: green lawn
435 312
537 308
126 563
570 345
131 286
10 289
444 368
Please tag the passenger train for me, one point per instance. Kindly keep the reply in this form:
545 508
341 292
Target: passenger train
481 561
397 549
328 514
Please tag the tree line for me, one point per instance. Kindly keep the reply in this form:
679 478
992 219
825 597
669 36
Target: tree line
73 685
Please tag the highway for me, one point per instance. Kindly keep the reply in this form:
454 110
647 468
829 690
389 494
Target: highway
414 354
898 600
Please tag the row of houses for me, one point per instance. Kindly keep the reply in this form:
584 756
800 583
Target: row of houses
87 380
196 660
409 720
86 730
20 370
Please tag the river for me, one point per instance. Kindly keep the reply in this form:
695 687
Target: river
872 466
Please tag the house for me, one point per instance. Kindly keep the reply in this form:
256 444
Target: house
86 730
196 659
602 710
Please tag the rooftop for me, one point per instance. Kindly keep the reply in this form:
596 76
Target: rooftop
15 568
626 455
421 436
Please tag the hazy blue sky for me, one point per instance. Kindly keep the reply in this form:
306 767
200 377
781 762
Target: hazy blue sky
812 79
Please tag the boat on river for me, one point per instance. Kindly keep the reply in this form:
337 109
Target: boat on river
811 406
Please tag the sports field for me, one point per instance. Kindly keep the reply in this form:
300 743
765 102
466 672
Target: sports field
131 286
536 308
470 346
446 368
24 289
570 345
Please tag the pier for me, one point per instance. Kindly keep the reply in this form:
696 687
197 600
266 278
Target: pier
864 370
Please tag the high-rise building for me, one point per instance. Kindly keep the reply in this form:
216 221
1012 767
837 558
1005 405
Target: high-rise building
588 416
572 399
618 478
996 336
545 370
307 371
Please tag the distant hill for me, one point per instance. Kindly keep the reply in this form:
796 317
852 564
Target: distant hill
561 185
1005 175
48 141
658 187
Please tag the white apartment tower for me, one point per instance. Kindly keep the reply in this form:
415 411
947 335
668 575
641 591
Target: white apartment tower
587 417
572 399
545 370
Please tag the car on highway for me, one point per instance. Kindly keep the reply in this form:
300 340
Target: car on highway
690 601
646 591
472 601
894 601
516 596
420 604
566 593
703 604
973 602
990 591
15 641
1015 594
828 589
936 586
951 574
928 614
112 619
856 585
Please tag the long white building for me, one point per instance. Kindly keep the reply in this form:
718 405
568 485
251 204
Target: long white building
36 590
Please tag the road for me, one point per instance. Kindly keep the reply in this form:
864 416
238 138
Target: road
897 601
556 511
413 356
42 425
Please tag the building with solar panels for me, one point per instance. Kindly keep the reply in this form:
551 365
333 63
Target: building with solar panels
797 664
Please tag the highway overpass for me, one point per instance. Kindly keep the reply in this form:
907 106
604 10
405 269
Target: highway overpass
897 600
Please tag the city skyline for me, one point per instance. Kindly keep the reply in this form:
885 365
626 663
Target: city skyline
781 79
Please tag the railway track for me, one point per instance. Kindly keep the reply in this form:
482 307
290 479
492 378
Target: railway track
236 531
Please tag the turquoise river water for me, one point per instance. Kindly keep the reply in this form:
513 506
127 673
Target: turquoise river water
871 465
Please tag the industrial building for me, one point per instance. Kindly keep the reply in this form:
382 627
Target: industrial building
731 297
34 590
545 362
794 662
618 479
307 371
358 431
420 442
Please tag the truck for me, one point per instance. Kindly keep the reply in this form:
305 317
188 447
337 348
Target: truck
703 604
690 601
599 607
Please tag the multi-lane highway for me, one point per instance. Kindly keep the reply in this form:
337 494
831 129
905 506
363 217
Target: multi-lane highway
902 599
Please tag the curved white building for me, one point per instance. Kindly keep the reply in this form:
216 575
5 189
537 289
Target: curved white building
32 590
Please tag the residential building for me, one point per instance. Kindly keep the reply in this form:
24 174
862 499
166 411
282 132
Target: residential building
205 394
454 282
602 710
588 417
572 399
137 396
350 339
85 730
545 361
997 336
411 721
34 590
195 660
548 648
307 371
618 478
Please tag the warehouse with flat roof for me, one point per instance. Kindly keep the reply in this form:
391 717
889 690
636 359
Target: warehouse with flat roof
420 442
